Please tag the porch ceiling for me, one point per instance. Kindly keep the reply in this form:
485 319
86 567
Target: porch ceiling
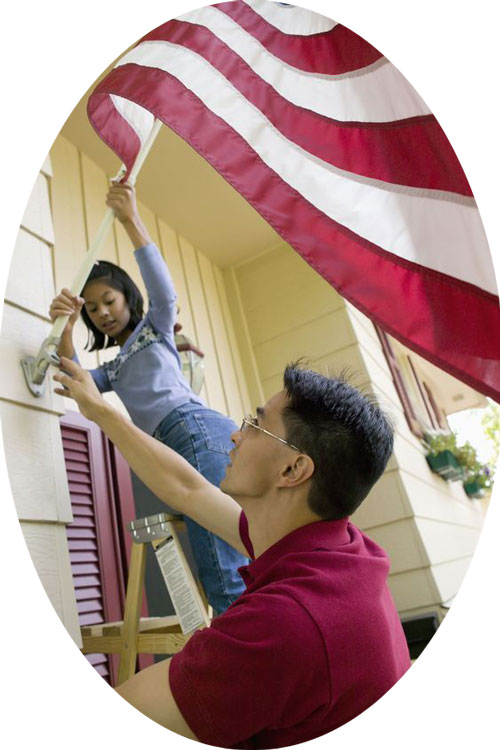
185 191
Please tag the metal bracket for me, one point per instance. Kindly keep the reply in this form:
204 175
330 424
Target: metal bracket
151 528
35 368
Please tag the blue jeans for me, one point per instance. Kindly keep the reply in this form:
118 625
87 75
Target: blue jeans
202 437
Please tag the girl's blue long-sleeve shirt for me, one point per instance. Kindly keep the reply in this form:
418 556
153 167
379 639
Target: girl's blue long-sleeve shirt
147 373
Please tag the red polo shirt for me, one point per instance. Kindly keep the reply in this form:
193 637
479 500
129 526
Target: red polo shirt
313 641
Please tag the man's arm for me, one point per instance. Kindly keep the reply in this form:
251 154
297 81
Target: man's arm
167 474
149 692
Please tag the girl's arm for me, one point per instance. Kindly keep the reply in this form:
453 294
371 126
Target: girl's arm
161 290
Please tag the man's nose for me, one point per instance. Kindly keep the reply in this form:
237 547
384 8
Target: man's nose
236 437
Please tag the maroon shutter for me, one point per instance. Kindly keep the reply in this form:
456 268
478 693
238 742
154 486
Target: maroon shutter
439 413
93 542
102 501
399 384
424 395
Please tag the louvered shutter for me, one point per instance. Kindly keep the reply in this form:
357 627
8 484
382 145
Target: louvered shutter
94 546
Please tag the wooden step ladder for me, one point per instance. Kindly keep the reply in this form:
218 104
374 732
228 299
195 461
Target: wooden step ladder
153 635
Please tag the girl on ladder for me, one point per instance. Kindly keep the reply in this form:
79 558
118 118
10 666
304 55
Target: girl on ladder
147 376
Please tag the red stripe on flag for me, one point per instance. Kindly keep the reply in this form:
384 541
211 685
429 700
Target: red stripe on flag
114 130
381 151
333 52
445 320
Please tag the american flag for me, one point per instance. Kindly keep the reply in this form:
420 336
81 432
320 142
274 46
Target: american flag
324 137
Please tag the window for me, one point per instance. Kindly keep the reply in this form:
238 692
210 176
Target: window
419 404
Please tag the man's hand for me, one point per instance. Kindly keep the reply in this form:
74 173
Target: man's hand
79 385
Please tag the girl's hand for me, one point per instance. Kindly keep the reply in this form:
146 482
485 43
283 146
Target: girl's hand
66 304
79 385
121 199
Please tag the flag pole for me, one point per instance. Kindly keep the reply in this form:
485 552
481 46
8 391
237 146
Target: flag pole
35 368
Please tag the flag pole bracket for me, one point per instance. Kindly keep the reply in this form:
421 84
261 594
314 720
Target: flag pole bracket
35 368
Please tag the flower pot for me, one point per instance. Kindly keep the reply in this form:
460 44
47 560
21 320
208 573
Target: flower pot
473 489
446 465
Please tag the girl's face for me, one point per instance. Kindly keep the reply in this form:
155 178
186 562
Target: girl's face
108 310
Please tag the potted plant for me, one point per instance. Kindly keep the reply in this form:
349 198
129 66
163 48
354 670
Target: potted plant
452 462
479 481
441 455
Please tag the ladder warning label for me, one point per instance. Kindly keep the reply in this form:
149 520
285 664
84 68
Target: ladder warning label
186 602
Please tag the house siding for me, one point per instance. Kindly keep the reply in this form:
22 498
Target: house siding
30 425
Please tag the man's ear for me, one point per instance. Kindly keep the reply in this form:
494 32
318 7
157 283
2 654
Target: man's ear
296 471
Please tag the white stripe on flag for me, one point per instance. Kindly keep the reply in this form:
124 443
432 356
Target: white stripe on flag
291 20
378 93
140 119
397 222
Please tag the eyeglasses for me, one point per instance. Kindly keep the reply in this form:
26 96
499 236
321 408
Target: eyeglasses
250 421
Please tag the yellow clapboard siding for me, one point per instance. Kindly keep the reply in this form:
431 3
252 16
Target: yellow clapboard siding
221 340
437 503
68 214
30 283
448 577
348 359
239 323
34 455
213 379
95 187
414 589
171 253
149 219
368 340
37 216
332 332
48 548
279 314
257 279
363 321
446 541
386 502
233 343
46 167
22 335
401 540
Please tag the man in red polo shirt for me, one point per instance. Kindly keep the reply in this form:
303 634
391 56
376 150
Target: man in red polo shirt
315 639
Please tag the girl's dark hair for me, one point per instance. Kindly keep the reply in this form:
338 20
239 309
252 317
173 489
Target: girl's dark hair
118 279
344 431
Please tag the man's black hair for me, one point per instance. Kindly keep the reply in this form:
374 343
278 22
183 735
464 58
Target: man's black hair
118 279
345 433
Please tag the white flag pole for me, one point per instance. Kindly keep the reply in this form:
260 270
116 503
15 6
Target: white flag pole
35 368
